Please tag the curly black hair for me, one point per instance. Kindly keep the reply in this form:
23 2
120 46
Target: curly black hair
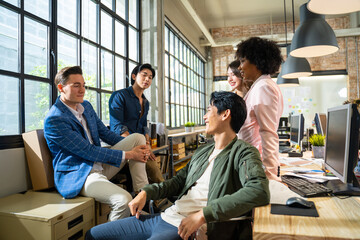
263 53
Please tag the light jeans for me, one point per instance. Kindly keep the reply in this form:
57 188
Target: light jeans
98 186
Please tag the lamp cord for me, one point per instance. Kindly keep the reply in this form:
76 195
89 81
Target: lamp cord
285 22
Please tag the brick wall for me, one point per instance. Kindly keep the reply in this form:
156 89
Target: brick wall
222 56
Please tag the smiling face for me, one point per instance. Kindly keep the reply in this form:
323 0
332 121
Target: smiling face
248 70
73 91
213 120
143 79
234 81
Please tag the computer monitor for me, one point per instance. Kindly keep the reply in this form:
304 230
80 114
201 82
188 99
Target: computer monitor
341 149
320 123
297 129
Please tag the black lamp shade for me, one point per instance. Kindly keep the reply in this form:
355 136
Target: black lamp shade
314 37
295 67
286 82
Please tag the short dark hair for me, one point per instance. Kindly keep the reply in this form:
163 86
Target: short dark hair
228 100
234 66
263 53
139 68
63 75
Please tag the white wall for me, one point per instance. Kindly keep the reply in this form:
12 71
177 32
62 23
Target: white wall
14 173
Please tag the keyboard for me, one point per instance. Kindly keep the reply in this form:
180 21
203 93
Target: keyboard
284 149
305 188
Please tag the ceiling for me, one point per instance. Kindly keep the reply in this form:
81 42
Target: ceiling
227 13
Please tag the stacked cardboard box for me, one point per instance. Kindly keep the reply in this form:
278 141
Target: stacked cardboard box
178 151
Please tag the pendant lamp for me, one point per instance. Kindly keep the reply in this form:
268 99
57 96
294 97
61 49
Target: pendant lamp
286 82
314 37
295 67
333 6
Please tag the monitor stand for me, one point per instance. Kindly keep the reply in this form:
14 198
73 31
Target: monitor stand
342 189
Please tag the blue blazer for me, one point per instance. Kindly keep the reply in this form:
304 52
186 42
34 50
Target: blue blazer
73 155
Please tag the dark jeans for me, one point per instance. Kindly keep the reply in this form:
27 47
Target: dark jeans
146 227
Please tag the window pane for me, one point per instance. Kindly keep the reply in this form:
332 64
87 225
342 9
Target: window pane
9 105
36 48
167 113
37 104
166 63
89 23
120 73
39 8
120 8
133 16
177 115
167 90
171 43
105 116
106 30
89 64
107 3
133 44
131 67
13 2
119 38
9 24
166 39
173 121
106 70
67 47
66 12
91 96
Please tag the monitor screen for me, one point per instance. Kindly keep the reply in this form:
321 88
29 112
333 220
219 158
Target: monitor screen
341 149
296 128
320 123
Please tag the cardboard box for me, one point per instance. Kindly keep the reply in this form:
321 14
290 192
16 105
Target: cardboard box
179 151
102 212
39 160
178 146
179 156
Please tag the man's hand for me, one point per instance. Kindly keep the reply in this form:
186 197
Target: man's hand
125 134
137 204
139 153
190 224
152 156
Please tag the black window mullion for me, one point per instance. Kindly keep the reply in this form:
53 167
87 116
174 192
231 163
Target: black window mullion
22 69
53 51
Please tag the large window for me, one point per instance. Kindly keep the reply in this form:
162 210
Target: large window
39 37
184 82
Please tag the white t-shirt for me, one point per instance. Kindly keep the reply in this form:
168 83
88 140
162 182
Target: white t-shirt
195 199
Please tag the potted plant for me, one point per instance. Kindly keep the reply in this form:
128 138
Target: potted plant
188 126
318 145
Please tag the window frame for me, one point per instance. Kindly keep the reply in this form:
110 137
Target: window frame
15 141
186 62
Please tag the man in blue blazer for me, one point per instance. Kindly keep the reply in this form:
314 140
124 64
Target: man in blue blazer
81 166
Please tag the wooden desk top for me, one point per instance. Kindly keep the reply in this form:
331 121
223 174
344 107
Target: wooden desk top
338 219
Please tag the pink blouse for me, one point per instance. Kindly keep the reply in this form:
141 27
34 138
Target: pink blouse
264 103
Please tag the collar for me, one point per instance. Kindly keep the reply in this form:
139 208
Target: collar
132 94
264 76
79 108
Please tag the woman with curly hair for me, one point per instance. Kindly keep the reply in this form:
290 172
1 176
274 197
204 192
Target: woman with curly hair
236 82
264 102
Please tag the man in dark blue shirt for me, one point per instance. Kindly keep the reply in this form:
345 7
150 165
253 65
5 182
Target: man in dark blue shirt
128 112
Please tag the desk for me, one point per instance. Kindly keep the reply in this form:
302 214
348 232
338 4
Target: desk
338 219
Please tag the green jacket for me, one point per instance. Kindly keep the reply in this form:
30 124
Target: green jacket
237 184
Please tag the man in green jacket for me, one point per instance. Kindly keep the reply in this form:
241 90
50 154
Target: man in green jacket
223 180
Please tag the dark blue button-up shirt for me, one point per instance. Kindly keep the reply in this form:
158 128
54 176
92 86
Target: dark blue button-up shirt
125 111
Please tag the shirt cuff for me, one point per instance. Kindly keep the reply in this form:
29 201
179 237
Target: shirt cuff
124 129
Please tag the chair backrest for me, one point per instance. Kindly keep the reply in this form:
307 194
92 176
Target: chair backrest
39 160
